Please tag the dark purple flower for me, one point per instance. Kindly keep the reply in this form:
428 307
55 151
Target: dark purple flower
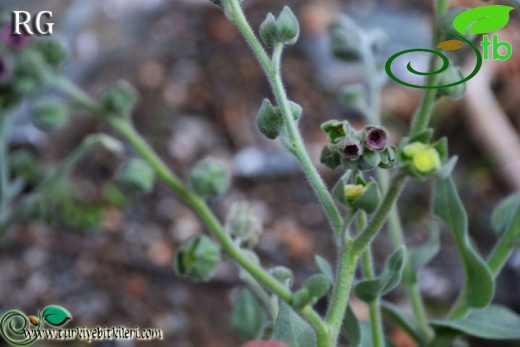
351 150
376 138
13 41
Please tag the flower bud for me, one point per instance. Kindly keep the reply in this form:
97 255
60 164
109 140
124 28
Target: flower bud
317 286
209 178
353 191
269 120
414 148
287 27
13 41
427 160
48 115
330 157
283 274
369 200
346 39
120 99
197 259
351 150
53 51
302 298
268 30
370 160
135 177
451 75
376 138
242 226
296 110
335 130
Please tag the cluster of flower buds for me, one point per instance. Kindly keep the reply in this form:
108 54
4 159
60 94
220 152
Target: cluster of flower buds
284 29
316 287
353 149
24 63
420 158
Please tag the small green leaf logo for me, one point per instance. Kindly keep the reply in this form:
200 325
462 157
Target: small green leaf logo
482 20
56 315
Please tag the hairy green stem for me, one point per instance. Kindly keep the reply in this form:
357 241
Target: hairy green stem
273 73
344 276
396 233
368 234
423 114
374 307
128 132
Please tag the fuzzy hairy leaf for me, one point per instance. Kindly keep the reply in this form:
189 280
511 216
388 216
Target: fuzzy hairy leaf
493 322
248 315
505 214
325 268
292 330
479 286
369 290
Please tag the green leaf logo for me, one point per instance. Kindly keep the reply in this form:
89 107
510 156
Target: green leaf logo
56 315
483 19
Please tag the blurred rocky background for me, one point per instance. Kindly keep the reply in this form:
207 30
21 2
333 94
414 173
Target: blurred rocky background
110 263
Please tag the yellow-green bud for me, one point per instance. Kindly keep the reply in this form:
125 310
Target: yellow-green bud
427 160
353 191
414 148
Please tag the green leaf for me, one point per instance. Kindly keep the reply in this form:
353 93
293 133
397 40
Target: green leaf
505 213
292 330
404 321
56 315
325 268
370 290
479 286
248 317
420 256
482 20
493 322
351 328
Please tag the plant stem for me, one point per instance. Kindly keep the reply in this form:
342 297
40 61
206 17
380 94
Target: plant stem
396 233
344 276
368 271
128 132
368 234
273 73
423 114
